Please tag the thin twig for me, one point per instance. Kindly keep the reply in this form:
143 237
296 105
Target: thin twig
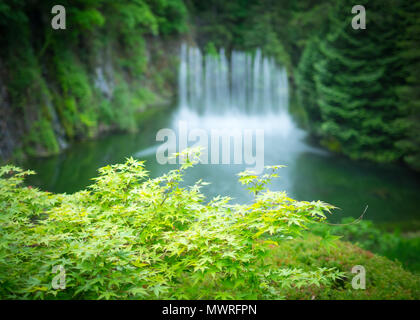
353 222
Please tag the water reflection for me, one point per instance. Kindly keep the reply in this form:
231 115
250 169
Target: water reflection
390 192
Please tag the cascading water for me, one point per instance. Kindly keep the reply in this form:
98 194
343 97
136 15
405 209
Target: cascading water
235 92
245 82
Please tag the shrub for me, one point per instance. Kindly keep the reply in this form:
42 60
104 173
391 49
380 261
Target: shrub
130 236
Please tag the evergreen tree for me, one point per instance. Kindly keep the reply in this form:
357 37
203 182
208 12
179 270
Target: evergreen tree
409 92
306 87
355 83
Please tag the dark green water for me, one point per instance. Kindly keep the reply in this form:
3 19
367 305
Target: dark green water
390 192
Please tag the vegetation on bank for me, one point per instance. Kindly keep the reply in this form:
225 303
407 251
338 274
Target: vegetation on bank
62 85
128 236
360 87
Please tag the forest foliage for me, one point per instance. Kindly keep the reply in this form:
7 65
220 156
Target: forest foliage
64 85
359 87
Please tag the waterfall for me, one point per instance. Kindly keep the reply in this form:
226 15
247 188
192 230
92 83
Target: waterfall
220 83
182 77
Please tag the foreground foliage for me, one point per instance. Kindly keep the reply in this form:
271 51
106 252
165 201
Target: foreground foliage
129 236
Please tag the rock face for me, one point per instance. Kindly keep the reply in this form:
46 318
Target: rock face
104 79
11 129
99 94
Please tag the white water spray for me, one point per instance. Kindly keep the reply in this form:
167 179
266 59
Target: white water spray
246 82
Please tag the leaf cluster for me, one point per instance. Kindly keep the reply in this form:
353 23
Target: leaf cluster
129 236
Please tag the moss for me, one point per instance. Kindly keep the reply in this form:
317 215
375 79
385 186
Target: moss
88 119
123 103
23 71
146 96
41 136
133 59
78 110
105 111
385 279
331 144
66 109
